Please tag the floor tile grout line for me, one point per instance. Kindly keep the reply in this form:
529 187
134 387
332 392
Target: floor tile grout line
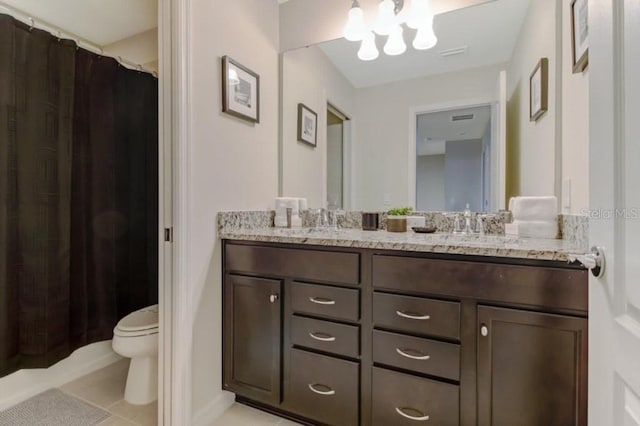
83 400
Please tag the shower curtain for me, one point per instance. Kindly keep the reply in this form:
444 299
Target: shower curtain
78 196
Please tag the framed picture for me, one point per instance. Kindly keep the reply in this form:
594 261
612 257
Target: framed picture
307 125
240 91
539 90
580 34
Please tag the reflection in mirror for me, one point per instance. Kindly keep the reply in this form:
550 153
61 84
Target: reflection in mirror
335 157
453 159
483 58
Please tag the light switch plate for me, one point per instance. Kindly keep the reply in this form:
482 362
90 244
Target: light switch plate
387 199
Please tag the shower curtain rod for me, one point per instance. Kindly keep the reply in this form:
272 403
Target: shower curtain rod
60 33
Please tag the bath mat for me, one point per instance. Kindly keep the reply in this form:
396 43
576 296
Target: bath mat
52 408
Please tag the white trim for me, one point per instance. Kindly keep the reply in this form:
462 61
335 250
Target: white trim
413 123
182 311
23 384
214 409
176 344
165 214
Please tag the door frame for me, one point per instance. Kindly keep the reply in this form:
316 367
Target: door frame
175 343
346 153
414 112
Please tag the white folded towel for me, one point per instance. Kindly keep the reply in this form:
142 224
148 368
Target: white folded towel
532 228
282 204
534 208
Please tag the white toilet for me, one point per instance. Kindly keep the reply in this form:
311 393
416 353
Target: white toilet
136 337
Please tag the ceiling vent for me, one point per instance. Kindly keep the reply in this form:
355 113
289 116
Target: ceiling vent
462 117
453 52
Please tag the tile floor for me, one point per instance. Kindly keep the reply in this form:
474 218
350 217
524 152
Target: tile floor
105 389
241 415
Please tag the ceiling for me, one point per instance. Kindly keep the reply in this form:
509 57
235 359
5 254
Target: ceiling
489 31
118 19
435 128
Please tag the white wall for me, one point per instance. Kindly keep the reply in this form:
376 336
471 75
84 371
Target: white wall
430 183
531 145
575 119
140 49
463 175
313 80
383 129
232 165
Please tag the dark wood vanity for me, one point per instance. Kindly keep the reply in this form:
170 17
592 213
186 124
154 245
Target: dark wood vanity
341 336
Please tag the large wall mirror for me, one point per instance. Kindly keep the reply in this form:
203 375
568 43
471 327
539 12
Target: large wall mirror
433 129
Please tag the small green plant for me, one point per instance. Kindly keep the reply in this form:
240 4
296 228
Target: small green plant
400 211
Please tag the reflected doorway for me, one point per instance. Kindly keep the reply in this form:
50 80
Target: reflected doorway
453 159
335 158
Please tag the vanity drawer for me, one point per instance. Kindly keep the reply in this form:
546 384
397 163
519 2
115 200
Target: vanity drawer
401 399
317 265
326 336
323 388
543 287
327 301
417 315
417 354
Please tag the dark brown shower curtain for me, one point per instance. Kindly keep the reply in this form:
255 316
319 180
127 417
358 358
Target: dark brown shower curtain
78 196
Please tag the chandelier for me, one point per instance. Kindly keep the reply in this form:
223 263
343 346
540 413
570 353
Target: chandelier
389 22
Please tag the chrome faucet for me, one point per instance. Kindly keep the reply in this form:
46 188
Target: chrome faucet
467 220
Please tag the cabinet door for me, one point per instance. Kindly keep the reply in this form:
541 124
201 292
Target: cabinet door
532 368
252 337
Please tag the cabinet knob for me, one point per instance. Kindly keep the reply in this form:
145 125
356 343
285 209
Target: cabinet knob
273 298
484 330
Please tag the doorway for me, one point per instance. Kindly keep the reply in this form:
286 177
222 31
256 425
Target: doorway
335 182
453 159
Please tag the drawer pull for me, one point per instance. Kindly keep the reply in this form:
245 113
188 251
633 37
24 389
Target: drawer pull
413 316
407 355
319 392
420 418
322 301
322 337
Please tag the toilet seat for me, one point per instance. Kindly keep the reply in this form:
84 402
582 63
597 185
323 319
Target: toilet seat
139 323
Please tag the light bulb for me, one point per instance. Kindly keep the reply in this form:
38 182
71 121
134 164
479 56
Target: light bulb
233 78
386 18
355 29
368 50
395 43
425 38
420 13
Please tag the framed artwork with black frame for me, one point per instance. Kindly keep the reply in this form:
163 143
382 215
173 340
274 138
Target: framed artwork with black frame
539 90
307 125
240 91
580 34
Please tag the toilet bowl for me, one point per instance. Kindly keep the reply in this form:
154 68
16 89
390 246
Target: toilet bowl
136 337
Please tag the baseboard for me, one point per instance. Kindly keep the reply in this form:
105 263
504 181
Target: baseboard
206 415
24 384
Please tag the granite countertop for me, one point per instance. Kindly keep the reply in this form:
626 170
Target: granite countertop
489 245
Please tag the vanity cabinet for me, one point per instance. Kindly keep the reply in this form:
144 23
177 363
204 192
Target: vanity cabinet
528 362
375 337
253 337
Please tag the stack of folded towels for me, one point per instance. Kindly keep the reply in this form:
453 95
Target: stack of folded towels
296 204
534 217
